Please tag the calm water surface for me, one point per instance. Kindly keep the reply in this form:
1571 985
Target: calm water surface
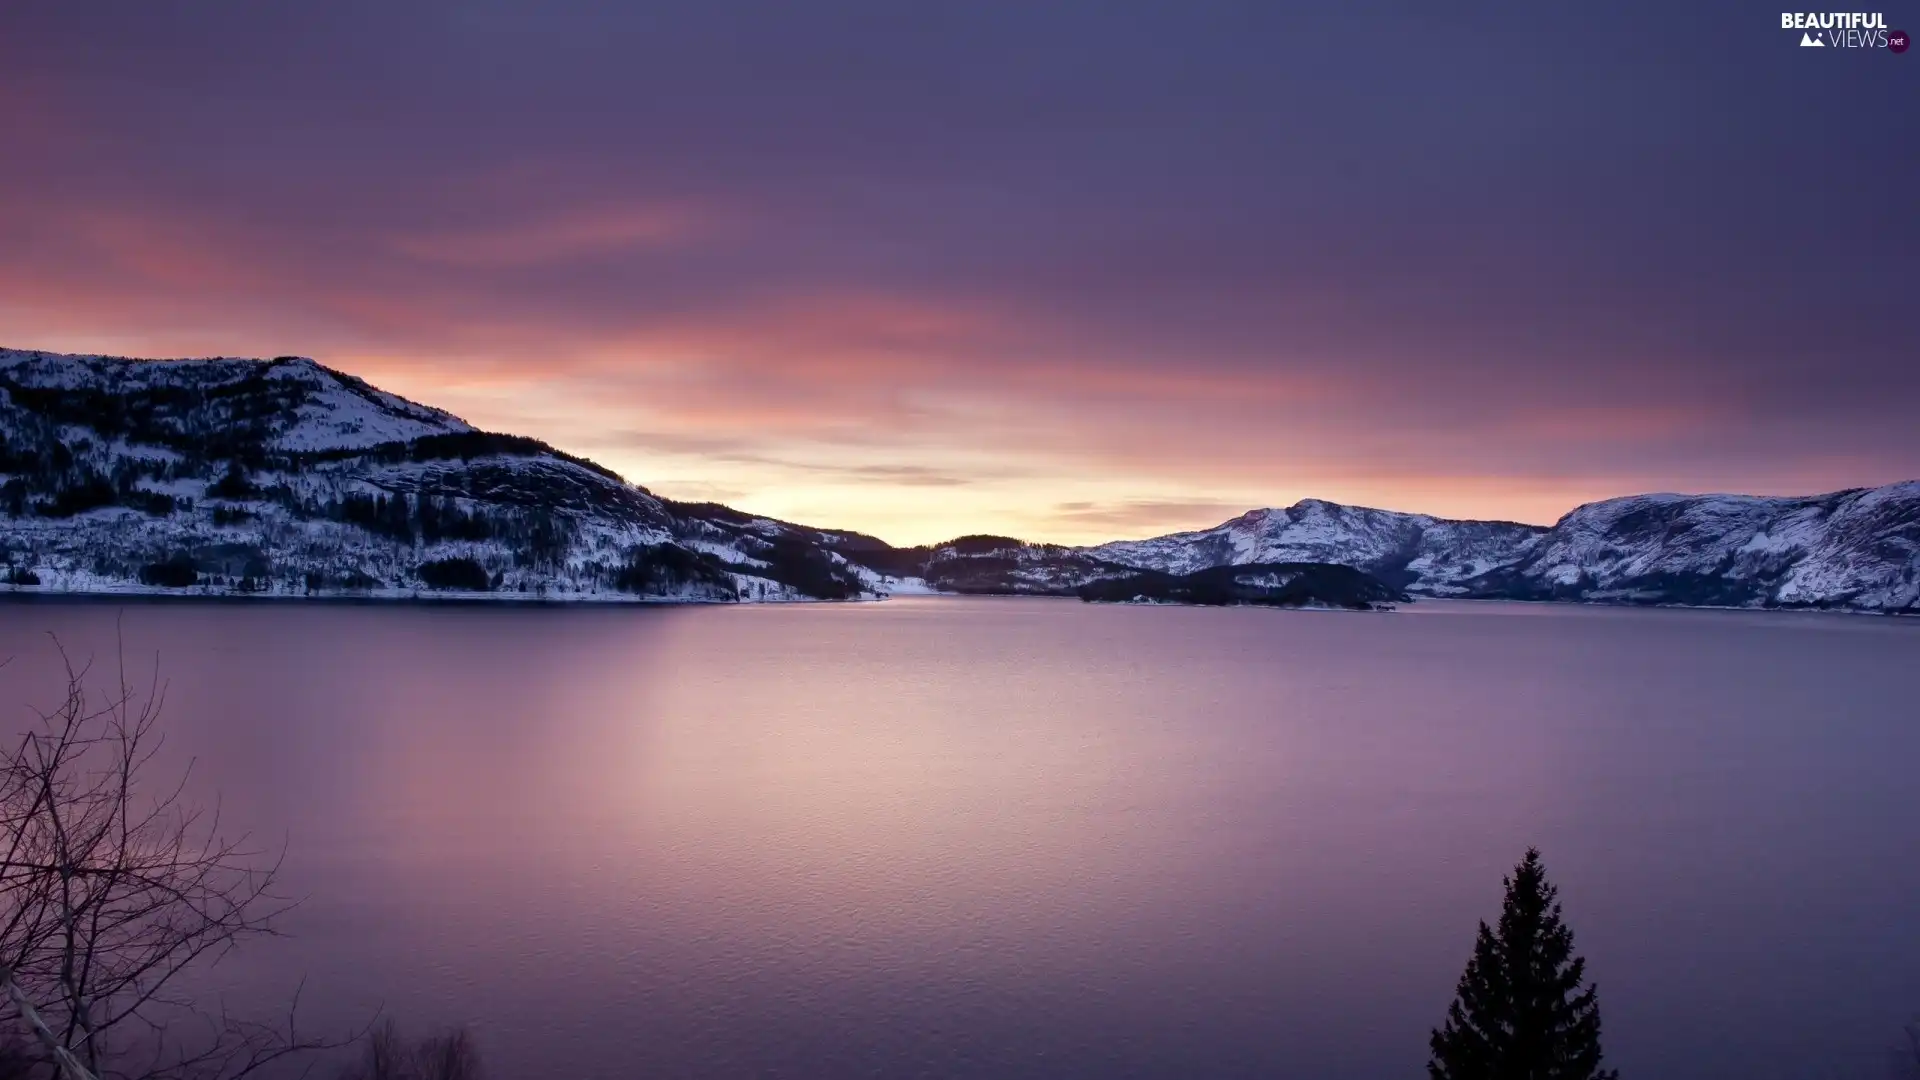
1042 839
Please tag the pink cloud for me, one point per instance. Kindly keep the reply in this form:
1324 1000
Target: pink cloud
816 398
603 231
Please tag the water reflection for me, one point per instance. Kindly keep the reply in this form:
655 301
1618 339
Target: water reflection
1006 838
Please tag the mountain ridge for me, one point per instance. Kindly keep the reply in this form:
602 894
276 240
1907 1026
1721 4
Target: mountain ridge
225 476
1855 549
231 476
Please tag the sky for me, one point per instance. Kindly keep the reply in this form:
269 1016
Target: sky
1068 271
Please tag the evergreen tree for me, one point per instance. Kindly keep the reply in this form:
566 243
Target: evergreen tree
1520 1012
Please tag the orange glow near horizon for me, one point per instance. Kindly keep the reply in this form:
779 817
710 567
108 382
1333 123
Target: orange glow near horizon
912 415
910 447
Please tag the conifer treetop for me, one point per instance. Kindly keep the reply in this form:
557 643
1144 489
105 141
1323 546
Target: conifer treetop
1523 1009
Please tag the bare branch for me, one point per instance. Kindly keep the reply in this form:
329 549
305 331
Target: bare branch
112 885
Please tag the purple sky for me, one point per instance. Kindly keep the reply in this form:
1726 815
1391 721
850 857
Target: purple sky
1070 271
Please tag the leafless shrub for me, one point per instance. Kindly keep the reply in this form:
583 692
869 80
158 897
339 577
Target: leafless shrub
388 1056
111 886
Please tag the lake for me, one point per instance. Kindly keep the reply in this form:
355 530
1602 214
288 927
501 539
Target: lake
1023 838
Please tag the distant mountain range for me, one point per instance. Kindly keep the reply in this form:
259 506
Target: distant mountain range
1857 549
284 477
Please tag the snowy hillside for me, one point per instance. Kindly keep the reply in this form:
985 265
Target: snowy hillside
290 404
1413 551
284 477
1857 549
1850 549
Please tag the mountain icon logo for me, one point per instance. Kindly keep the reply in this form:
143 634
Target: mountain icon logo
1808 40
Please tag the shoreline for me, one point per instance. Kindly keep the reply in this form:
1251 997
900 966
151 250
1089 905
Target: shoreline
32 594
29 594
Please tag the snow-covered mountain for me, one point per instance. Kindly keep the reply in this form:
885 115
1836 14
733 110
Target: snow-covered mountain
1856 549
285 477
230 476
1412 551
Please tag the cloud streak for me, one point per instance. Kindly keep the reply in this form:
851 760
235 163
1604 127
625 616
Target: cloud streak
576 236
